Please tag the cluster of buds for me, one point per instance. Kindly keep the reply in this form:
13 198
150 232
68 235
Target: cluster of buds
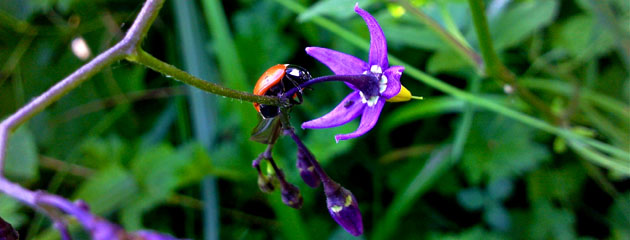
341 204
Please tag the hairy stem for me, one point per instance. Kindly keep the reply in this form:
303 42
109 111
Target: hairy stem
50 204
144 58
494 67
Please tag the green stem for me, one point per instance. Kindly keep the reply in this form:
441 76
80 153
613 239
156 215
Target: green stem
495 68
144 58
466 52
490 57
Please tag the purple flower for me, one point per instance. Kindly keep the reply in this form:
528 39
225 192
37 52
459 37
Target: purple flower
367 100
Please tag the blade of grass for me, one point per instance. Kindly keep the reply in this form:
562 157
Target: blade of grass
559 87
464 128
599 159
428 174
202 105
437 164
230 66
448 89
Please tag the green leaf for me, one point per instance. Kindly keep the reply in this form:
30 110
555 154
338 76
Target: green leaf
161 170
619 215
9 211
446 61
102 152
22 159
340 9
498 148
131 215
155 168
109 189
472 199
500 189
520 21
415 36
497 216
562 184
549 222
583 38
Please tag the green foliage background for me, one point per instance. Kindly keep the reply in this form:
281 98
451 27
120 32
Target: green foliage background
146 152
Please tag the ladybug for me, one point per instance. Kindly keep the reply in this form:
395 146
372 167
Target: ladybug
275 82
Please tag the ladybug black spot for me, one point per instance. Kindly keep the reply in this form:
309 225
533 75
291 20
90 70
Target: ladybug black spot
348 104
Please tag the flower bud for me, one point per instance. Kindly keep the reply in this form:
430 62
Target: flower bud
307 170
265 183
343 207
291 196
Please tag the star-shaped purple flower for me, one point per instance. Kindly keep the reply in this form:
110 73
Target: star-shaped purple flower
385 82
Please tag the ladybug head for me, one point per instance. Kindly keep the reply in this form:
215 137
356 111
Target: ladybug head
297 74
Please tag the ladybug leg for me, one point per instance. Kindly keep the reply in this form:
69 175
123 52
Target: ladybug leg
295 85
299 96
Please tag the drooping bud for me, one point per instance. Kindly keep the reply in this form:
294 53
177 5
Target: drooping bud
307 170
343 207
266 183
291 196
7 232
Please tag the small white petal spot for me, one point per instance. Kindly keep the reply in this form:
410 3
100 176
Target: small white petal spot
382 88
363 99
376 69
372 101
382 84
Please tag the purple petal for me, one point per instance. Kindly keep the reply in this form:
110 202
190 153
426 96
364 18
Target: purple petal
368 120
378 44
348 109
393 81
338 62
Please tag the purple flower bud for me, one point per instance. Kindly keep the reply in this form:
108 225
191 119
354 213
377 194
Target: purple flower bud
265 183
7 232
291 196
343 207
307 170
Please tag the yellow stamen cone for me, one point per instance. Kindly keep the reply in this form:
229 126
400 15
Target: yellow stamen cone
402 96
